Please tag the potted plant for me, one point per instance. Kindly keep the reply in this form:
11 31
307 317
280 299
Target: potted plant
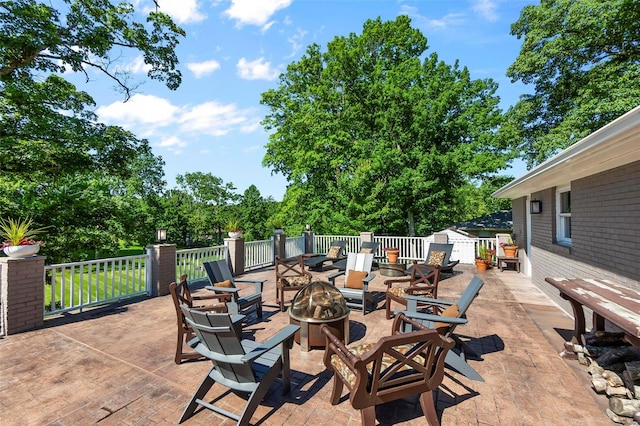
482 262
18 237
233 228
510 247
392 254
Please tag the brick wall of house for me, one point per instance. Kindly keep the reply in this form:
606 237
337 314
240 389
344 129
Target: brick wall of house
605 214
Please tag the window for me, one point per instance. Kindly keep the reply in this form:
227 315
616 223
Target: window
563 202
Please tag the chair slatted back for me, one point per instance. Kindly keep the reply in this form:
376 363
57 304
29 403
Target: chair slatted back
339 243
218 271
370 245
220 342
446 248
358 262
470 293
289 267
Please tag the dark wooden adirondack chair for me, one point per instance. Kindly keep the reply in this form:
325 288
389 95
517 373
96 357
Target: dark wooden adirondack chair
240 365
223 282
335 253
422 282
290 276
397 366
181 295
451 314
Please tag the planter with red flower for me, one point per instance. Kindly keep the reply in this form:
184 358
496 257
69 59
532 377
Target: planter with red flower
510 248
18 237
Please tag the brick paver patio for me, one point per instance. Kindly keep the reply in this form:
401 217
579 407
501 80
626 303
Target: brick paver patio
115 367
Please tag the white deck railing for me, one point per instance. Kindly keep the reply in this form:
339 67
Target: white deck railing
258 253
77 285
189 261
294 246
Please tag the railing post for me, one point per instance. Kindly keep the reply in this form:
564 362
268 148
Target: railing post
366 237
235 250
279 246
441 238
22 294
162 269
308 241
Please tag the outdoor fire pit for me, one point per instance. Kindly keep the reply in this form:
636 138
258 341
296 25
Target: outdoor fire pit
316 304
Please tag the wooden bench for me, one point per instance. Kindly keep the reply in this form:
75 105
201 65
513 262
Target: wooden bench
608 300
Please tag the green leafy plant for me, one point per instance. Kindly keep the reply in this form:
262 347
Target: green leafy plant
233 225
18 232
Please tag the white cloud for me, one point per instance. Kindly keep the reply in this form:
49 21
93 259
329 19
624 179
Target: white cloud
213 118
252 148
139 110
442 23
200 69
296 41
256 70
181 11
252 12
173 144
137 65
486 9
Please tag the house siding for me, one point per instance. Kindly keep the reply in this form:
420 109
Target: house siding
605 219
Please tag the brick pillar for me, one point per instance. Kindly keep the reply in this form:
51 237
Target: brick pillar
441 238
366 237
280 245
22 293
308 241
235 251
163 268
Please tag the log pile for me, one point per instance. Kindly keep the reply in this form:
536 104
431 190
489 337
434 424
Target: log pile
614 366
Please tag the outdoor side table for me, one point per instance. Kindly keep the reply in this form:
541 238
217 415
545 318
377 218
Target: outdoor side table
392 269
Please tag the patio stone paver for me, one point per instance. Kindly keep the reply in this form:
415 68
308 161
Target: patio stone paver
115 367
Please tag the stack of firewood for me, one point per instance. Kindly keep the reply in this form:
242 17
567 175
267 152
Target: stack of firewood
614 366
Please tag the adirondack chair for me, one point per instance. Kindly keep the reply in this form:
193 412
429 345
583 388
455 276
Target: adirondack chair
357 276
181 295
290 276
222 282
397 366
365 247
334 254
451 315
422 282
240 365
439 255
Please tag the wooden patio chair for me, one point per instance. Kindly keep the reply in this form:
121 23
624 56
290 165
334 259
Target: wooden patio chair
240 365
335 253
451 314
223 282
397 366
290 276
181 295
422 282
357 276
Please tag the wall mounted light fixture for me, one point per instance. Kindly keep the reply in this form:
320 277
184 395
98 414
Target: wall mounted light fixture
536 206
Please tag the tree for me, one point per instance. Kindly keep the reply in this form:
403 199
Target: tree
372 137
50 141
210 196
583 59
254 212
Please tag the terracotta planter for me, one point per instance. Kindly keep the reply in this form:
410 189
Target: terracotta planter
481 264
510 251
392 255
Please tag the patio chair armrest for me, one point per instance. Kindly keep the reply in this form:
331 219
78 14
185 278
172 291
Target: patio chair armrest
223 289
332 277
389 283
428 301
335 346
369 277
256 283
281 337
209 297
434 318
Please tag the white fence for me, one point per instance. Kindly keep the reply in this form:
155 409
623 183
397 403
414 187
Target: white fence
190 261
294 246
74 286
258 253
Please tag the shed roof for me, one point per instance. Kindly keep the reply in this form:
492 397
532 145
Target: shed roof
613 145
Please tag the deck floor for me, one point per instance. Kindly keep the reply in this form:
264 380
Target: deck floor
115 367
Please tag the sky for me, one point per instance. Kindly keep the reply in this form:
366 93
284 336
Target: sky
234 51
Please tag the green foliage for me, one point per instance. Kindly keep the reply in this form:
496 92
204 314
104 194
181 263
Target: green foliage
371 136
17 231
95 184
583 59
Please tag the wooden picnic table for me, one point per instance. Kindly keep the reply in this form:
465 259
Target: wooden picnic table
607 299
